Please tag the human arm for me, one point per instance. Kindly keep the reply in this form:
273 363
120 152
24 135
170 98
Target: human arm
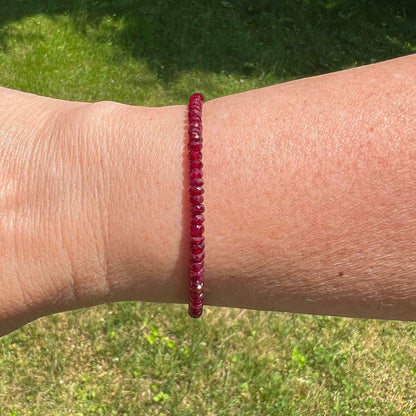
309 194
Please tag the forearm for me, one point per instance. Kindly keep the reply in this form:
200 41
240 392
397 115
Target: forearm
309 196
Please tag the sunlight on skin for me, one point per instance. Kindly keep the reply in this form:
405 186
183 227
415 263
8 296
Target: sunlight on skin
100 191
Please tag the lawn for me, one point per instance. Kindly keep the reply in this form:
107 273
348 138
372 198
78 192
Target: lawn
148 359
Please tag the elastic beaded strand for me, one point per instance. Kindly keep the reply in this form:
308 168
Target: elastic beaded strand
196 199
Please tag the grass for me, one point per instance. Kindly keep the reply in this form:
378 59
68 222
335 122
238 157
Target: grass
134 359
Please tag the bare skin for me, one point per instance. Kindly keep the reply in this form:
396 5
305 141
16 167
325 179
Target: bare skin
310 196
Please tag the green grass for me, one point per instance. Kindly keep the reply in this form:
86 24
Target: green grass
146 359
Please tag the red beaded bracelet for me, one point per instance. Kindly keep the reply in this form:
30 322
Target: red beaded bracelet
196 199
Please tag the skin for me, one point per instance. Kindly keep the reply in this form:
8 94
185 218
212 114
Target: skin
309 190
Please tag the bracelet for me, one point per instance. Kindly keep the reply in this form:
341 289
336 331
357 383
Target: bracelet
196 199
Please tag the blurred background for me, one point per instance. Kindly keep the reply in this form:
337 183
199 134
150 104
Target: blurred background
148 359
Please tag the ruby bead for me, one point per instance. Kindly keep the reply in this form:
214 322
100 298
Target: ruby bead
196 276
197 248
197 301
197 298
197 258
195 173
197 219
196 309
197 209
196 98
196 295
196 190
196 164
197 230
197 183
197 286
194 287
195 155
196 199
194 112
194 312
195 146
197 239
197 266
196 282
194 124
195 136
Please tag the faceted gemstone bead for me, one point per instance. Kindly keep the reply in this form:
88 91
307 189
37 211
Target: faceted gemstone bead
196 258
197 248
196 164
197 182
196 286
196 190
196 136
195 289
196 275
194 112
195 146
196 283
194 124
196 98
196 199
197 230
195 155
195 173
197 239
197 266
192 119
196 295
197 306
197 209
197 301
194 312
197 219
197 298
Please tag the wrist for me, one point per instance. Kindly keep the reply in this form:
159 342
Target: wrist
145 208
